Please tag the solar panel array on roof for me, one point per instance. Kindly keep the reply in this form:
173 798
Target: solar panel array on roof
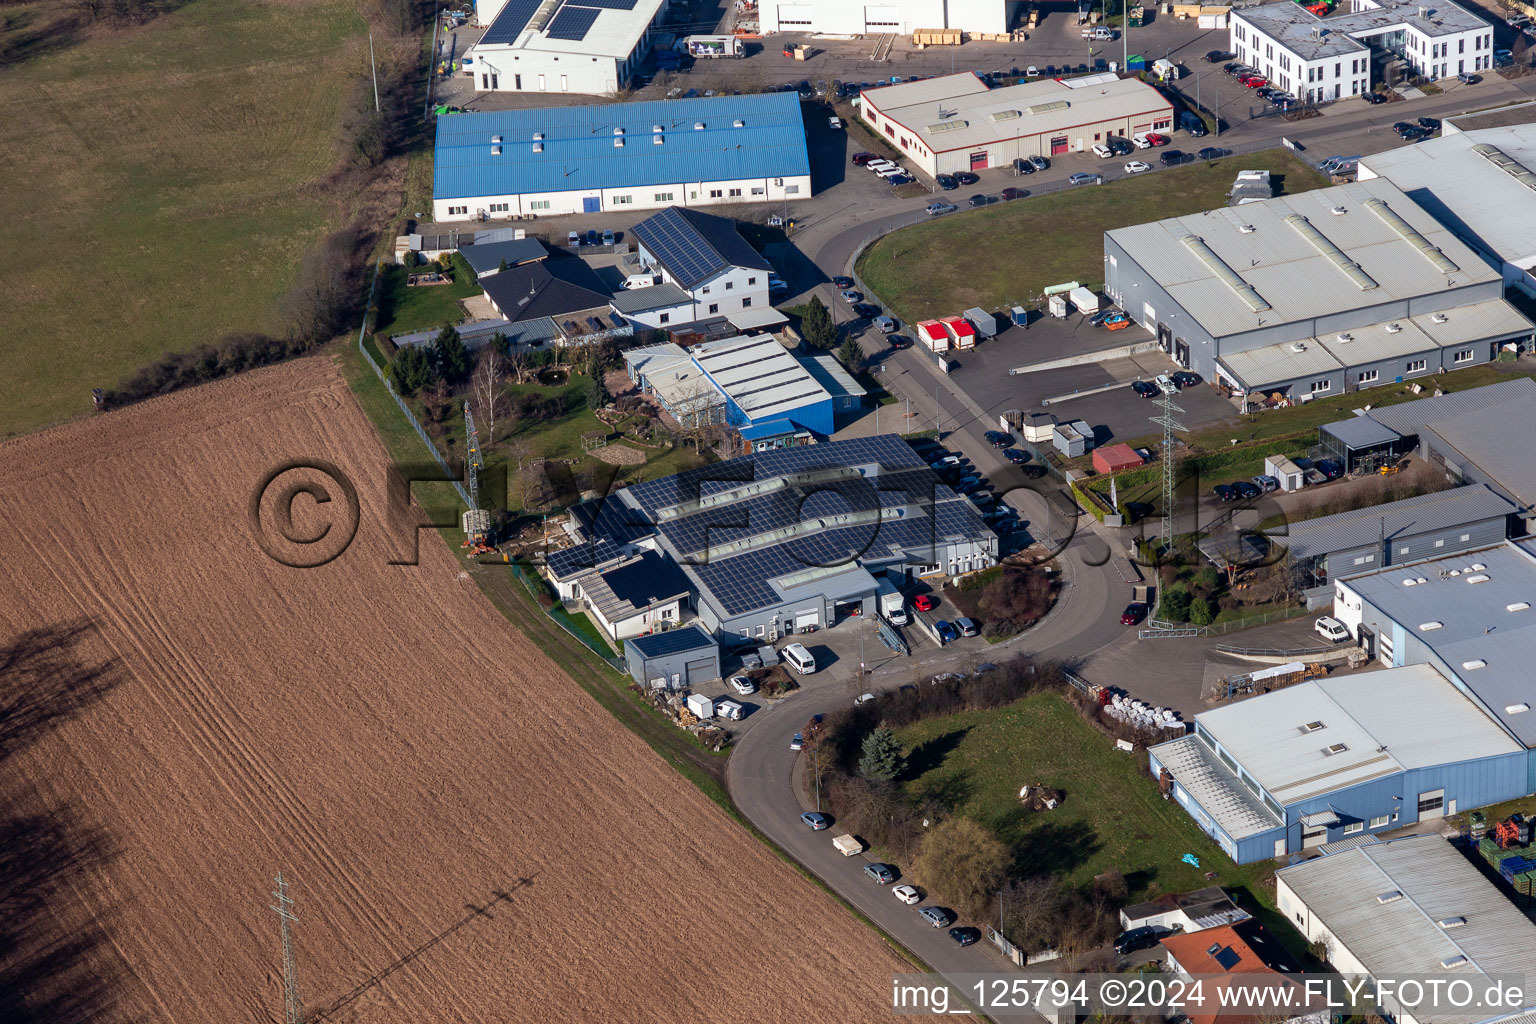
610 5
509 24
673 641
674 242
572 23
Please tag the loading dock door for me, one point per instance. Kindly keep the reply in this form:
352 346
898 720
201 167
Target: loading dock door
700 670
808 619
979 161
591 204
1058 146
1432 804
1313 835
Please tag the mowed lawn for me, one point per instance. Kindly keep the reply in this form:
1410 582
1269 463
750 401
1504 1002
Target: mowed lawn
161 181
974 763
1006 254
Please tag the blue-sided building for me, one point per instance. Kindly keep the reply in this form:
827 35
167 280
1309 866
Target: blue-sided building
1334 759
548 161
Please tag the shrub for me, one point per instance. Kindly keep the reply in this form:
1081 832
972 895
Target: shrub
965 861
1201 613
1175 605
1016 599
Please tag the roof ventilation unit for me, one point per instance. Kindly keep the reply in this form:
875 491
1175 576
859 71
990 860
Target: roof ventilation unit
1312 727
538 147
618 131
1451 922
1516 709
1410 582
1246 229
1389 897
1423 580
738 123
1480 577
1335 748
495 139
1425 627
657 140
1518 606
618 142
1394 328
1339 211
1345 339
1439 318
1453 961
1453 572
698 126
538 136
496 149
1298 346
1474 664
1478 567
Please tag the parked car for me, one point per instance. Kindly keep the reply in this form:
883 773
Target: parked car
1330 469
998 439
1374 98
965 936
815 820
842 282
947 182
1097 320
1467 78
1016 456
1405 126
1185 378
1225 492
980 200
1137 166
860 159
1022 166
1281 99
1102 151
797 742
1140 141
945 460
1235 68
966 178
907 894
1157 139
864 309
1264 92
1040 163
607 236
1429 124
835 123
863 698
1136 938
1171 157
1247 490
1144 388
1133 614
900 179
851 295
948 634
1266 483
968 627
777 284
900 341
1084 178
743 685
885 324
573 238
882 874
925 602
1009 194
1213 153
934 209
937 916
1254 81
1166 385
1119 146
1331 629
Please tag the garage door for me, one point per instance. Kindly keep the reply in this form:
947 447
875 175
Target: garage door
1432 804
796 17
700 670
1058 145
806 619
882 19
978 161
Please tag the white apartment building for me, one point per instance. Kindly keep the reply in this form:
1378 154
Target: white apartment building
1322 59
899 17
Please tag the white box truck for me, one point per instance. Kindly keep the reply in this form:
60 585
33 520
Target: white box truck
892 604
701 706
847 845
702 47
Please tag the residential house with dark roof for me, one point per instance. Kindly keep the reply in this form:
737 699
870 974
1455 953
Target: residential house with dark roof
707 258
634 595
486 259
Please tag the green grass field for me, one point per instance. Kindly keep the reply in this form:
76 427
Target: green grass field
162 182
403 309
1007 254
1112 816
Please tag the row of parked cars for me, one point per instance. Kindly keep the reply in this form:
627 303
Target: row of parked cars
1165 384
1244 490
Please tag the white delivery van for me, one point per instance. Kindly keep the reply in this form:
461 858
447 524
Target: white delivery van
798 658
728 709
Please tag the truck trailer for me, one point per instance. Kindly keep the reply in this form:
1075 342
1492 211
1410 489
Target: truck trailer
704 47
984 322
847 845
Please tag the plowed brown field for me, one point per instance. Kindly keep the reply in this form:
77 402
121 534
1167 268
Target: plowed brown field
469 836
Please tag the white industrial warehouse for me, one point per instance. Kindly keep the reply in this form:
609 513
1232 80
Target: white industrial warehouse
547 161
578 46
956 123
1320 59
901 17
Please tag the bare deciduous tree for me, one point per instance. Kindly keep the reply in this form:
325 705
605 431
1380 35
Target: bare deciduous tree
522 453
521 366
486 387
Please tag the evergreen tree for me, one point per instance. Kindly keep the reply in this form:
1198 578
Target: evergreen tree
816 326
412 370
449 354
882 759
849 354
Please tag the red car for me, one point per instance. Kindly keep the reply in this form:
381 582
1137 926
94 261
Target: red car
1134 613
1257 81
860 159
1156 139
925 602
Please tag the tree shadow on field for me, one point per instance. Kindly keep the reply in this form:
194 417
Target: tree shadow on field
48 970
925 757
476 913
1049 847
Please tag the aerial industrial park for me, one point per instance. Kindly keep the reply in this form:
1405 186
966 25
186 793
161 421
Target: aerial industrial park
728 510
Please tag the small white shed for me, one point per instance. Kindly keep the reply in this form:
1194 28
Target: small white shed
1287 472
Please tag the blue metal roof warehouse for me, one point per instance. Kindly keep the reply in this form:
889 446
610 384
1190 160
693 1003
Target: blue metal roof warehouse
495 154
